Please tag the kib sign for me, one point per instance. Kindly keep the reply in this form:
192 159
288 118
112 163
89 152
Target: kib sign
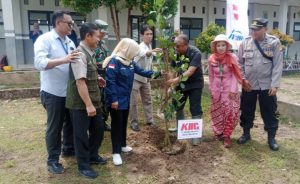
190 128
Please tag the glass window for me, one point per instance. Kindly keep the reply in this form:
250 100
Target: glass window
42 2
183 9
221 22
26 2
265 14
296 33
203 10
44 18
56 2
275 25
191 27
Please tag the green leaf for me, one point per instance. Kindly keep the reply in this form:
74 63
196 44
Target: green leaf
150 22
185 78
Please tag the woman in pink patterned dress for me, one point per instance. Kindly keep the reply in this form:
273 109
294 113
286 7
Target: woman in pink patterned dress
224 76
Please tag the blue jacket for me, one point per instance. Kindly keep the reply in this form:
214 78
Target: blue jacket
119 81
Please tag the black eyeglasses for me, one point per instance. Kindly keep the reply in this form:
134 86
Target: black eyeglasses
71 23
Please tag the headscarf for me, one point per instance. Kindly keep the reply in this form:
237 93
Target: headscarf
125 51
226 58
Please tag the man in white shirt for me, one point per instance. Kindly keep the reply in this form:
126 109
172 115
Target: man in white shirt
141 85
53 53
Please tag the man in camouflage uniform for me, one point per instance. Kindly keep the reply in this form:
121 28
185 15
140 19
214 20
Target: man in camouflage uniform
261 59
101 53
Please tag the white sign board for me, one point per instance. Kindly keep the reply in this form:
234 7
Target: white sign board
237 22
190 128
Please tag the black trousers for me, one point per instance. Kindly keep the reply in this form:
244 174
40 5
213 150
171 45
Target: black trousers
268 108
194 96
57 117
119 120
88 136
104 108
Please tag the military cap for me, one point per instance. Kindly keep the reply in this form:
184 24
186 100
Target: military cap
258 23
102 25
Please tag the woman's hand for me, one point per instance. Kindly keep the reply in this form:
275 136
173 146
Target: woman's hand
115 105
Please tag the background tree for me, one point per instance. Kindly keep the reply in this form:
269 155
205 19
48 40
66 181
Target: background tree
207 36
285 40
115 6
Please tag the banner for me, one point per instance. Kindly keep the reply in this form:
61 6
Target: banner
237 21
190 128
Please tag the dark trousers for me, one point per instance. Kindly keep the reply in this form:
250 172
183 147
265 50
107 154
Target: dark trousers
57 115
104 108
68 139
119 120
268 108
194 96
88 136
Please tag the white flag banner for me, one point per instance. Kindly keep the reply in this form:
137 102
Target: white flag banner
237 21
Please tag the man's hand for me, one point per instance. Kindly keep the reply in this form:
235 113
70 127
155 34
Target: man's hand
72 57
102 82
246 85
173 81
91 111
115 105
272 91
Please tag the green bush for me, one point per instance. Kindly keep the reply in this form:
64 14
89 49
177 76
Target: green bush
207 36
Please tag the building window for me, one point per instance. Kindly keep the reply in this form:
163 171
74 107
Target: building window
294 15
274 14
221 22
296 33
44 19
275 25
203 10
56 2
183 9
215 10
248 12
26 2
265 14
192 27
42 3
223 11
194 9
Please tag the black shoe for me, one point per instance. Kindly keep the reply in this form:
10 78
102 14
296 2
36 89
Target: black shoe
88 173
244 138
69 153
135 126
107 127
273 144
98 160
55 168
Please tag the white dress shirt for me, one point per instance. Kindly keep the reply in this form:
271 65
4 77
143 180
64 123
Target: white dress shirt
50 46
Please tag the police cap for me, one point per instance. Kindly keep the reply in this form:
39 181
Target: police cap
102 25
258 23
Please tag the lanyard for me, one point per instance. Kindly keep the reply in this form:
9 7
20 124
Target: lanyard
65 46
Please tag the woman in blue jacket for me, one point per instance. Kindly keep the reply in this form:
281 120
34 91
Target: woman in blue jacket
120 69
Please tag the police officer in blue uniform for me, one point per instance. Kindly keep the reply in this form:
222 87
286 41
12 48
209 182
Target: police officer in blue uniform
261 58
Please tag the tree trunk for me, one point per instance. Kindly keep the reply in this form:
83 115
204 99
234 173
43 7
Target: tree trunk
117 23
129 23
117 34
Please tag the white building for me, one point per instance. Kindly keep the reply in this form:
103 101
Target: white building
18 16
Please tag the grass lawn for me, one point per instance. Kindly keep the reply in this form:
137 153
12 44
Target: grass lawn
23 154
